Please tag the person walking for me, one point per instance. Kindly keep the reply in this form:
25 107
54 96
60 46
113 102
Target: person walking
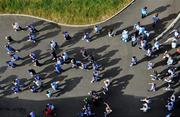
15 57
144 12
153 87
67 36
97 29
108 110
53 45
155 20
17 27
9 39
86 37
149 65
133 61
10 49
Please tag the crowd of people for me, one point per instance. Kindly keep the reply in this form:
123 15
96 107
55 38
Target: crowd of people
37 85
140 38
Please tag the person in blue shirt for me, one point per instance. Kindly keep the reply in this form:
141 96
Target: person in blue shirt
15 57
11 64
32 114
33 56
55 86
31 28
58 68
144 12
155 20
32 37
67 36
10 49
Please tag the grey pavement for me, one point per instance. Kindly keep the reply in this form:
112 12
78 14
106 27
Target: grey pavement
128 85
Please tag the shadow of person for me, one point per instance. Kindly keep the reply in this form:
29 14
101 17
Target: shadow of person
3 69
111 73
68 85
105 29
159 9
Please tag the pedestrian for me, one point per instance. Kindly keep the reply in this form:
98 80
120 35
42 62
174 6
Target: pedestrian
106 86
111 33
48 94
96 66
17 27
153 87
32 114
86 37
125 36
65 57
38 83
84 53
170 61
146 100
58 68
146 103
53 45
170 106
60 60
169 87
37 63
156 46
108 110
155 75
11 64
55 85
133 40
97 29
133 61
33 56
10 49
172 98
15 57
145 107
144 12
95 77
32 72
174 43
149 52
31 28
32 37
176 34
136 29
155 20
9 39
49 110
141 30
143 44
67 36
149 65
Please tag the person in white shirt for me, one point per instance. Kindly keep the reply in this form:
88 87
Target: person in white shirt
145 107
97 29
149 65
17 27
153 87
53 45
170 106
125 35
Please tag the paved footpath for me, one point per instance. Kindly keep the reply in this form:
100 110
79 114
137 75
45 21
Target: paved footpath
128 84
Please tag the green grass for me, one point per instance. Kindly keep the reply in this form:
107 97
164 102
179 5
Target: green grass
65 11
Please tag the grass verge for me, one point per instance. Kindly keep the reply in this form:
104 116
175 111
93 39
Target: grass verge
65 11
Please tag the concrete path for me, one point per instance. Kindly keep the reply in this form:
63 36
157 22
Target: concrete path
128 84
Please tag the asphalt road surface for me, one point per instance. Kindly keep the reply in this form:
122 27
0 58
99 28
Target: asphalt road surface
128 84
